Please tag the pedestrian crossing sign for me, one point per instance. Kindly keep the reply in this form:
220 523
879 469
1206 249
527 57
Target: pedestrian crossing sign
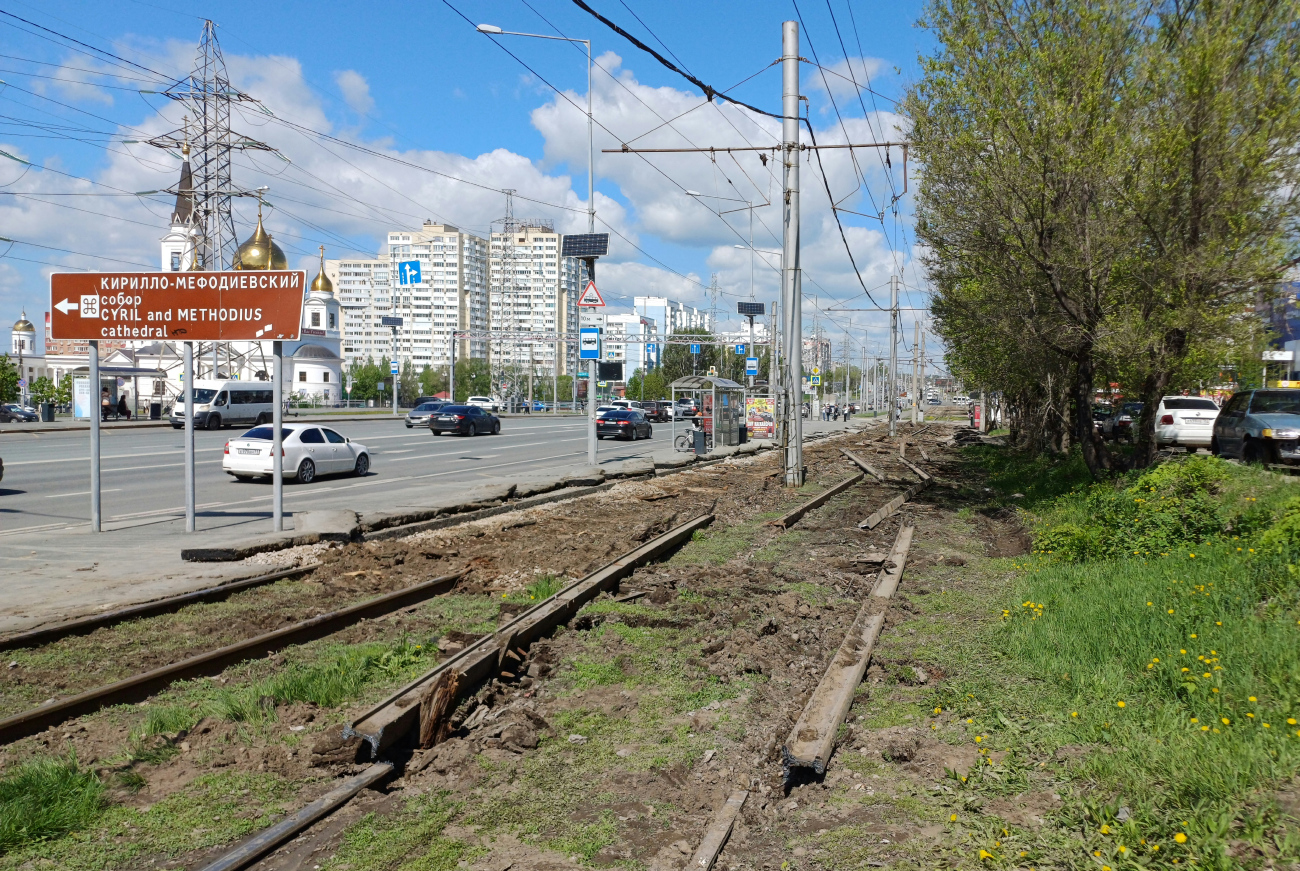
816 381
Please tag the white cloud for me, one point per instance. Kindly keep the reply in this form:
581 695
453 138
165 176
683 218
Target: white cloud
355 90
845 78
327 193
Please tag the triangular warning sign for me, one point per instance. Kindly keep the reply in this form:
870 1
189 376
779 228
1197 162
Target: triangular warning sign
591 296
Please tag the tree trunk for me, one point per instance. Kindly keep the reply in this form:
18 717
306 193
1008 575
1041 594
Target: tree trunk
1153 389
1095 454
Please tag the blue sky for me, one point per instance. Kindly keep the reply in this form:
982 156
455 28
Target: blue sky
415 82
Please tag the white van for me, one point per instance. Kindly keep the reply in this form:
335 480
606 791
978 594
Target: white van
227 403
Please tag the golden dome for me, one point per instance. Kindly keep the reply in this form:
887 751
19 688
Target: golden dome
322 283
23 325
259 251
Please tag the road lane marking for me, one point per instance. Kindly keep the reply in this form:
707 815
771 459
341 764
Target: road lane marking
83 493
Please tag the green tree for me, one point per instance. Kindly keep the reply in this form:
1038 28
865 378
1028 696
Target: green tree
409 385
8 380
42 390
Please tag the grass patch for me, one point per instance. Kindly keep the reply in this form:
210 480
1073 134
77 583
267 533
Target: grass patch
410 840
215 809
47 797
715 546
340 674
543 587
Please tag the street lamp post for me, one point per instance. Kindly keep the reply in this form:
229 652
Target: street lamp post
493 30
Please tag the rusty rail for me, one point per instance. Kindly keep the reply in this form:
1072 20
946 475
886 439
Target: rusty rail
141 686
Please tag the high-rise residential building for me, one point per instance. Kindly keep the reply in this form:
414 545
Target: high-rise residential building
671 316
450 295
362 286
627 339
532 289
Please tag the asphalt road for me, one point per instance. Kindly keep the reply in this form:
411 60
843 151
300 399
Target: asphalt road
46 484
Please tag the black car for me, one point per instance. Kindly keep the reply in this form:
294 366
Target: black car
464 420
656 410
11 412
623 423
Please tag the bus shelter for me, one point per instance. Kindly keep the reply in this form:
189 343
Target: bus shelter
720 410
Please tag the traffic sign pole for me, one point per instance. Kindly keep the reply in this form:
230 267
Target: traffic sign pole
188 388
393 368
96 412
277 443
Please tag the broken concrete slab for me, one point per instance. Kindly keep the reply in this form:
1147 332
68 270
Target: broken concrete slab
331 524
586 476
722 451
634 468
536 486
673 460
747 448
233 550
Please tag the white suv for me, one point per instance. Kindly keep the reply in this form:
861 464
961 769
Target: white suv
487 402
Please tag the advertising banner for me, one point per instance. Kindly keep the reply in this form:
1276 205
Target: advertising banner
761 416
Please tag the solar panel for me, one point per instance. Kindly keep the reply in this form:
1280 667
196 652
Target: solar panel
750 308
585 245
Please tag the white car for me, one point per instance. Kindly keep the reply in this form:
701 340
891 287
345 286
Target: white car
626 403
309 450
603 410
492 405
1185 421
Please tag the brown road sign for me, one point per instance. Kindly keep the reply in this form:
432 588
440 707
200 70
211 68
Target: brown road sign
177 306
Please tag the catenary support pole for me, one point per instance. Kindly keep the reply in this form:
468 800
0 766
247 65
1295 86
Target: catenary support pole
188 388
791 287
591 383
277 442
891 383
916 351
922 358
451 372
96 412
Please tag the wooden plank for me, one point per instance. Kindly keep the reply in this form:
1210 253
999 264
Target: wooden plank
863 464
812 740
920 473
715 836
792 517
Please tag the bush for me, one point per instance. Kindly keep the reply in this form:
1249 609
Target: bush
1284 536
1175 506
44 798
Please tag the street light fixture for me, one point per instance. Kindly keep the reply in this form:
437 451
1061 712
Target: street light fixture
492 31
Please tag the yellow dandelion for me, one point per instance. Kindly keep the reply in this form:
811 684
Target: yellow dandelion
1120 703
1180 838
1252 699
1225 721
1123 849
1076 713
1105 829
1194 720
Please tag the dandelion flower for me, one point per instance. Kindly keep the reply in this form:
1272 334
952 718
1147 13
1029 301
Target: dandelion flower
1194 720
1226 721
1155 847
1120 703
1252 699
1290 721
985 854
1076 713
1180 838
1171 610
1105 829
1123 849
979 738
1193 635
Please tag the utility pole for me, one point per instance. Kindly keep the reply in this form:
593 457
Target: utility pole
916 349
892 383
791 287
922 390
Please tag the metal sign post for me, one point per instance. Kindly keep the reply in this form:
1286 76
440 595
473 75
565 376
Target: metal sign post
277 442
96 412
589 350
393 369
184 307
188 390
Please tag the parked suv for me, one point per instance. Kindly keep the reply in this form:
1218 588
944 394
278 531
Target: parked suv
485 402
1259 426
1185 421
655 410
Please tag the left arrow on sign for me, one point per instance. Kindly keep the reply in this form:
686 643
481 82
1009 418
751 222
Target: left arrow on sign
65 306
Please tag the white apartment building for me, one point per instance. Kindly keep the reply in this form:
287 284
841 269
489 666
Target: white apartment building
627 339
451 293
362 287
671 316
532 289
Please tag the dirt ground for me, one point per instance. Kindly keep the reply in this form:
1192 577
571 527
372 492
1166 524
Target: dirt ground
629 727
